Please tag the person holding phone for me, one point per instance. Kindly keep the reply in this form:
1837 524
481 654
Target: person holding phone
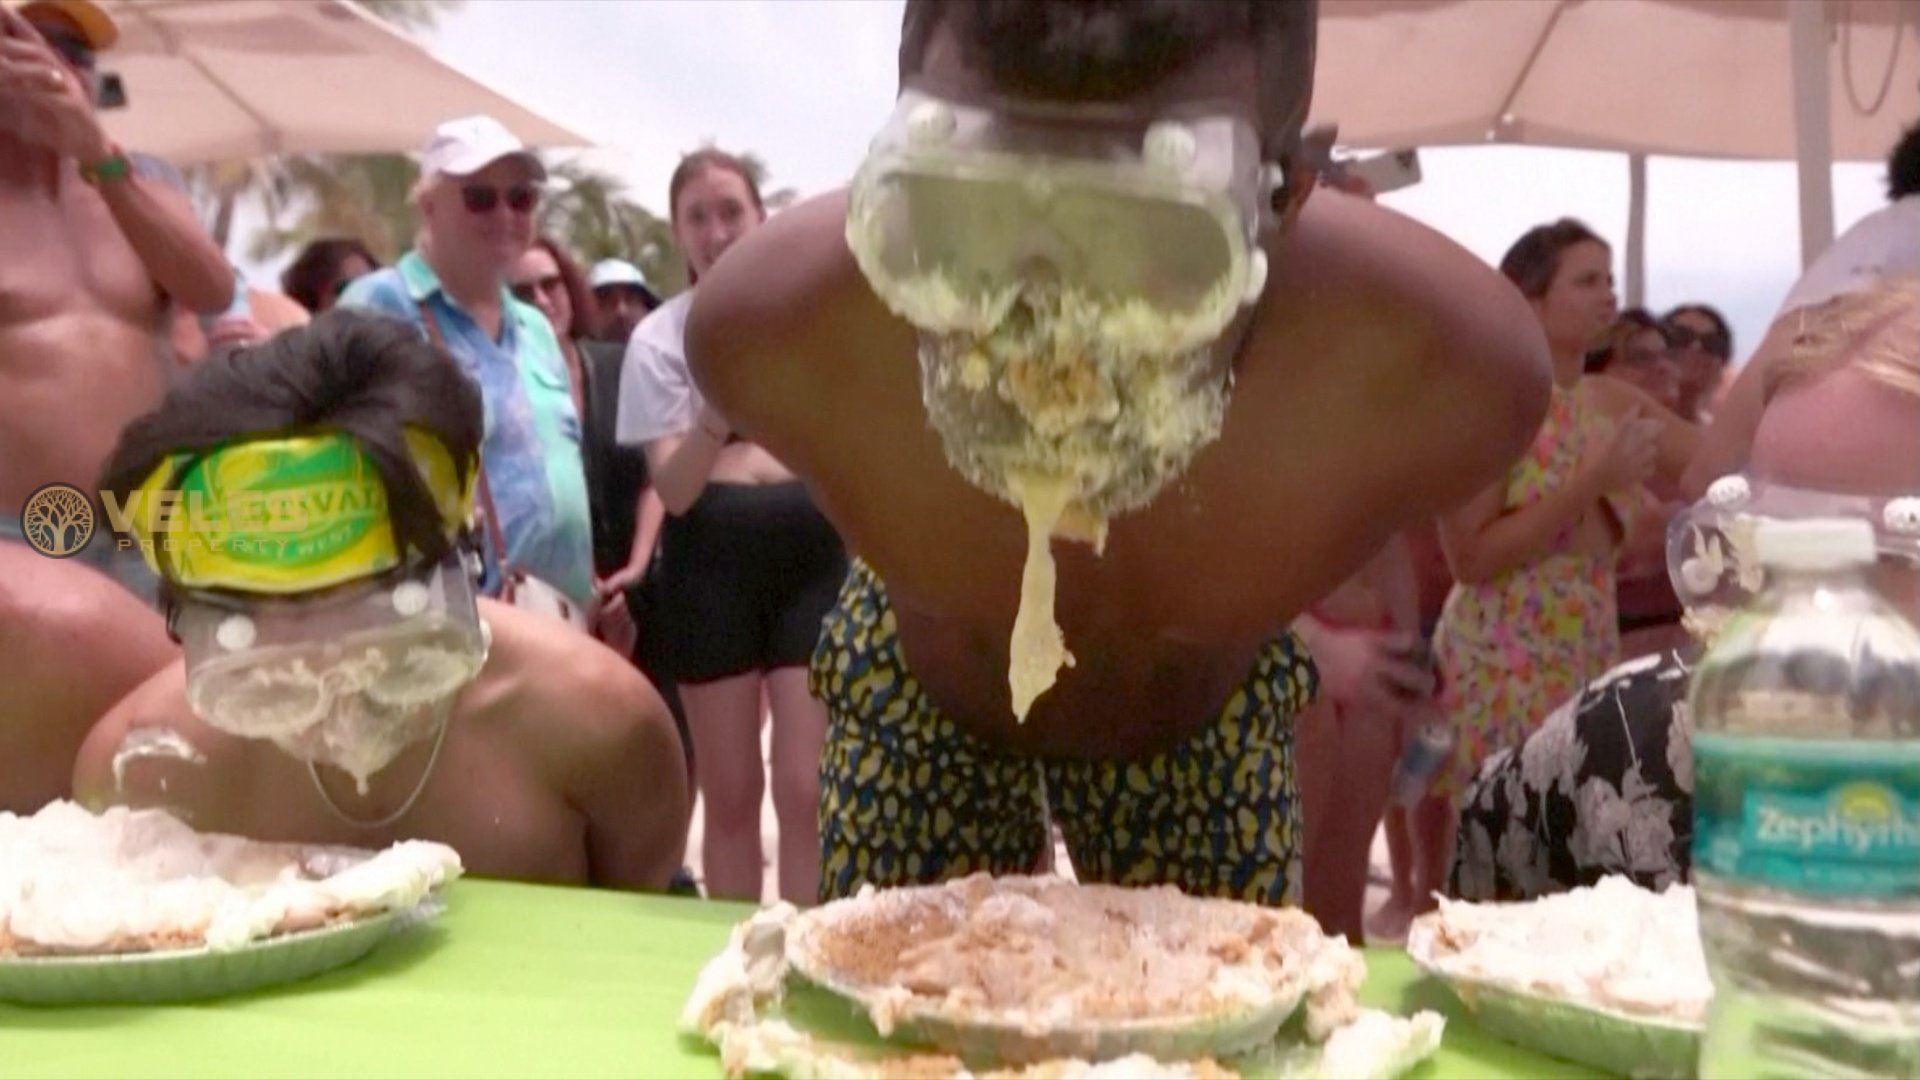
1533 614
96 247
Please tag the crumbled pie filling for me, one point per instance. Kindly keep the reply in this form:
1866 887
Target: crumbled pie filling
1046 949
987 952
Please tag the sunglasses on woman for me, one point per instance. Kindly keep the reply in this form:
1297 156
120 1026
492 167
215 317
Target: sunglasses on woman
1712 341
481 199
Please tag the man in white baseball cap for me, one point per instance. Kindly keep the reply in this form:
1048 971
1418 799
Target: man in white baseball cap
478 195
466 146
623 296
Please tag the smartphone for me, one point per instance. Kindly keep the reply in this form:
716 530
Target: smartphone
1386 172
112 93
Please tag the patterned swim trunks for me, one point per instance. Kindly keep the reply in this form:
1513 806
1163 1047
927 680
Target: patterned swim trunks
908 798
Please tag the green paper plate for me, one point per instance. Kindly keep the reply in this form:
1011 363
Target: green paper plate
1622 1043
1176 1038
988 1036
192 974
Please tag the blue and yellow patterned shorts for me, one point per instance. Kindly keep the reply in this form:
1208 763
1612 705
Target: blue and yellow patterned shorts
908 798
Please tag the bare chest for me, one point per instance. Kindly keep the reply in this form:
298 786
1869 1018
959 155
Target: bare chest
64 254
480 799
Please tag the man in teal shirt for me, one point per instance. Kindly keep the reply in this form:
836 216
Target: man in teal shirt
478 191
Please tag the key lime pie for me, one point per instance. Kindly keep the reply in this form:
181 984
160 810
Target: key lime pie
76 883
1042 977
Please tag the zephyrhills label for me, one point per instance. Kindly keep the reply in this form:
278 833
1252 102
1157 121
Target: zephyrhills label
1838 818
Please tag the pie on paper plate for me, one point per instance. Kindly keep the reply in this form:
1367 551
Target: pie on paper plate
1611 975
1041 977
87 900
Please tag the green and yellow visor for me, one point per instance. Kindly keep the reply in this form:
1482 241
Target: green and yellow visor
282 515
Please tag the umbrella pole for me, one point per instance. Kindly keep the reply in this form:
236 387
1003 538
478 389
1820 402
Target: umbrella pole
1636 230
1807 27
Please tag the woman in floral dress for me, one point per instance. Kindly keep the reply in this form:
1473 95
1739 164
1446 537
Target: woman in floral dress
1532 617
1606 785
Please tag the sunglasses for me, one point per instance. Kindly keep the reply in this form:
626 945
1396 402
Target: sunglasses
481 199
1712 341
525 291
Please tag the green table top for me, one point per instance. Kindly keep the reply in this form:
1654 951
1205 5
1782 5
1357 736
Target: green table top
522 981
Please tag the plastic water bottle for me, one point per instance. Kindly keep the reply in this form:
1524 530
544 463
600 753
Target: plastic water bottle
1428 749
1807 818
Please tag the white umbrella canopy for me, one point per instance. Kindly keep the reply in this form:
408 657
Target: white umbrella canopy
1695 78
216 80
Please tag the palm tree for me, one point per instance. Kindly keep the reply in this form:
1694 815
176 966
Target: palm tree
591 213
366 196
280 183
363 196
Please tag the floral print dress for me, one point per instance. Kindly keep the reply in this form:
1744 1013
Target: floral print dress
1513 649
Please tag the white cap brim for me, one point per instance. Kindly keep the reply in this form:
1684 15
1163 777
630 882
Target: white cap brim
468 162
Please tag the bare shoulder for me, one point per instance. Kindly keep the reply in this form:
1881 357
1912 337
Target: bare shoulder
570 701
1448 344
778 308
1464 318
159 704
58 611
777 275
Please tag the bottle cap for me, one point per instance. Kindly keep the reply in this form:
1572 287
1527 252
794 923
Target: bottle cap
1815 544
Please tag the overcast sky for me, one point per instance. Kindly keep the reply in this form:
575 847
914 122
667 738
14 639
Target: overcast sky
804 83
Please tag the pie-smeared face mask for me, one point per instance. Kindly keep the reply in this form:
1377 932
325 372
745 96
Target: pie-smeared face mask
1070 272
348 679
300 621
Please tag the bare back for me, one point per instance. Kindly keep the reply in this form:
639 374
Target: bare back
80 326
553 732
1386 375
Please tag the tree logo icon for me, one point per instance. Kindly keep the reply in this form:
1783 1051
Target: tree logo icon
57 520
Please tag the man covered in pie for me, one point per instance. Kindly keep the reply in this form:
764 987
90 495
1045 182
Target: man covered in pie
1100 403
307 506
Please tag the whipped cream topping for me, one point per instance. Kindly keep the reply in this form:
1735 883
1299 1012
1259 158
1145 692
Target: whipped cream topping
128 880
1613 945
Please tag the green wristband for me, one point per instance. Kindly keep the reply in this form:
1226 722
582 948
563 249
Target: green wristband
114 166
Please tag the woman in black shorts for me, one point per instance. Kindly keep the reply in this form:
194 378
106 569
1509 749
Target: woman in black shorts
748 568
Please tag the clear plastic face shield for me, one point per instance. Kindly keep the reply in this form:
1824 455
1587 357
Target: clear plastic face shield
349 678
300 620
1069 273
1716 571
